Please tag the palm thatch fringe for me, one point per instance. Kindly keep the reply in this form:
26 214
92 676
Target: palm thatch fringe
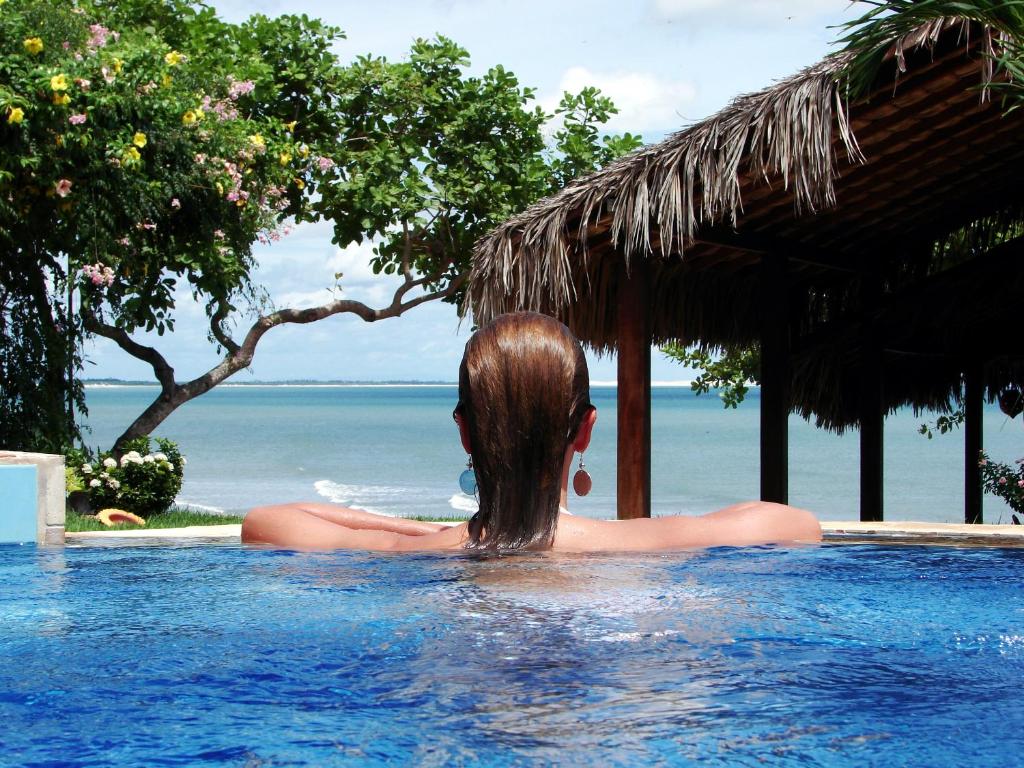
652 203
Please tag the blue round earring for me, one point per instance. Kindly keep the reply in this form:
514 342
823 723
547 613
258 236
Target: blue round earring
467 480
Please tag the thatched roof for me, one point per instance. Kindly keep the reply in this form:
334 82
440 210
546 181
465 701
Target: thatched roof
842 187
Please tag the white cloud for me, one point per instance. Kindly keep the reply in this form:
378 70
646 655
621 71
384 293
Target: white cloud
646 103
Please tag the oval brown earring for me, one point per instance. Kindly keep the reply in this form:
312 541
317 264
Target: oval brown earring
581 481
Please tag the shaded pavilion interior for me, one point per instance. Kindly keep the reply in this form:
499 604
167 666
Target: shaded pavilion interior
872 249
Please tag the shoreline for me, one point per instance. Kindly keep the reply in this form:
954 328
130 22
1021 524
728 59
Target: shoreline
681 383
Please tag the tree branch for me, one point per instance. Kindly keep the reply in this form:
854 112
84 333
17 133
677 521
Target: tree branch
174 395
161 368
217 327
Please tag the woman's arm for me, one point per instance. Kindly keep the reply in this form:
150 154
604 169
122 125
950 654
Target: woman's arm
292 526
746 524
358 519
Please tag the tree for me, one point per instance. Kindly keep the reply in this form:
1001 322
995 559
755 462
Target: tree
152 155
128 166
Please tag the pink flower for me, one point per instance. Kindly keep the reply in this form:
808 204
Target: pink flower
62 188
1020 483
175 203
325 163
82 83
99 35
125 241
66 44
1002 481
240 88
219 234
98 274
77 119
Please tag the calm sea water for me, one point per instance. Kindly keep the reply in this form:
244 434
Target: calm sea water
395 449
833 656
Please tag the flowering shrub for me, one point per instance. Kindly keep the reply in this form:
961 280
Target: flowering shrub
153 150
1004 481
141 482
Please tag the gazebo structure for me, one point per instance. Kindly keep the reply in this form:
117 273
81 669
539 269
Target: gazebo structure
872 248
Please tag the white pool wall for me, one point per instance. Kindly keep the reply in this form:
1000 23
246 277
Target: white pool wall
44 508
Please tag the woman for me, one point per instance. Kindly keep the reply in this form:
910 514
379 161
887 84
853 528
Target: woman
524 410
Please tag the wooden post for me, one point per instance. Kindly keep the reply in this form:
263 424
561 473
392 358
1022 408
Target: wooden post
775 375
871 399
974 387
634 391
872 435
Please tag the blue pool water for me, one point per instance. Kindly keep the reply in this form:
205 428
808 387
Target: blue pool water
852 655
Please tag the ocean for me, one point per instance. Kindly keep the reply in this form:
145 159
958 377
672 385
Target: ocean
394 449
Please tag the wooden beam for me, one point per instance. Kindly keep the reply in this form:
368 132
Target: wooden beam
974 386
871 402
763 244
634 391
775 376
872 439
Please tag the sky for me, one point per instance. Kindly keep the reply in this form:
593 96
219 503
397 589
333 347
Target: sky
665 63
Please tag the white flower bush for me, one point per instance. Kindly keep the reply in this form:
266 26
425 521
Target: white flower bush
140 481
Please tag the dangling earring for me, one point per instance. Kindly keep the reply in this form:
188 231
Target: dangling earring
467 480
581 481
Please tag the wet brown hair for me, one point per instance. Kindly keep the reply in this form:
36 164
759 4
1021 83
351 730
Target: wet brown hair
524 391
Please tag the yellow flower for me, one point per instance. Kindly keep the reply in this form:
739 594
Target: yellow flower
189 118
300 183
59 141
132 154
15 115
220 188
285 158
166 81
303 150
59 82
139 139
33 45
174 58
257 141
118 66
291 126
60 99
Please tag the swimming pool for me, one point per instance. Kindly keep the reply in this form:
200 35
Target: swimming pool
220 655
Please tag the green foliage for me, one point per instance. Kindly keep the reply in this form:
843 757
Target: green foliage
730 371
1004 481
38 347
140 481
73 481
433 158
943 424
144 145
872 34
147 145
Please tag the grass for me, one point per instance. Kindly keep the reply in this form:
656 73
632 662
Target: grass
173 518
182 518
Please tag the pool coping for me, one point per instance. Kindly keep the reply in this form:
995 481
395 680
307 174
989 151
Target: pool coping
833 532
